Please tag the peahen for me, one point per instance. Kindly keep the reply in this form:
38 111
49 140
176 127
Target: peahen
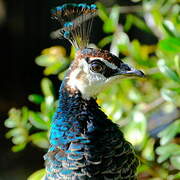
84 143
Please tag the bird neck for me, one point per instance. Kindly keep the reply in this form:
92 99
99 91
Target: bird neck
77 118
71 99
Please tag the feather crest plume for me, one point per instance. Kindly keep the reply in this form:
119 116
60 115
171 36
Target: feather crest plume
76 21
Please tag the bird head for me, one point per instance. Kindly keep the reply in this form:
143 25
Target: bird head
93 70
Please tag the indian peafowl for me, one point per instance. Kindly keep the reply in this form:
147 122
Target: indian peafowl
84 143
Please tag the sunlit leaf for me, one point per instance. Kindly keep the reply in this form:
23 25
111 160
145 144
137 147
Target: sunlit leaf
16 132
45 60
18 147
168 95
38 175
177 90
137 53
169 27
73 52
47 87
138 22
102 12
10 123
105 41
114 15
57 67
177 63
59 51
25 116
148 151
175 161
177 176
40 139
143 168
166 151
37 121
170 44
167 71
14 118
128 23
169 133
135 131
134 95
19 139
36 98
109 26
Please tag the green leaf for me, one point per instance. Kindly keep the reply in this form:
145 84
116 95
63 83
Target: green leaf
105 41
21 139
135 131
114 15
45 60
25 116
10 123
175 161
170 44
40 139
167 151
72 53
169 133
36 98
177 90
16 132
177 63
168 95
109 26
134 95
169 27
128 23
18 147
177 176
136 53
111 23
37 121
167 71
102 12
14 118
57 67
121 40
140 23
38 175
47 87
148 151
143 168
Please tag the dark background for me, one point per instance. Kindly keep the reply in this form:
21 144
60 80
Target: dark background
24 33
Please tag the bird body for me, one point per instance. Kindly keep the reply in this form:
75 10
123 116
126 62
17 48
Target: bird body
84 143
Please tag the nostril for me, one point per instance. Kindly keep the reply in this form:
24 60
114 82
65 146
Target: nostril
125 67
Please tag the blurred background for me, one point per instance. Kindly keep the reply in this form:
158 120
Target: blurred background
144 33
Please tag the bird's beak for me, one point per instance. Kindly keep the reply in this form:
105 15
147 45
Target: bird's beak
127 70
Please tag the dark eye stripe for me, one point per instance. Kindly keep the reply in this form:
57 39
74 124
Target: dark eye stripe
107 72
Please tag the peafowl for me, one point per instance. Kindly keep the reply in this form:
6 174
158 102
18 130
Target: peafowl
84 143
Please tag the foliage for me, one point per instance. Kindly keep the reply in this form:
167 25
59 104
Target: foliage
146 109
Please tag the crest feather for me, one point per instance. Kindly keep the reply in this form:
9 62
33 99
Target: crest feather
76 21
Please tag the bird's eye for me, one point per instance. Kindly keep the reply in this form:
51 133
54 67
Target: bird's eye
97 67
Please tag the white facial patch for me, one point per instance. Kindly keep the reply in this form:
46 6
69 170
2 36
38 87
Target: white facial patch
89 83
